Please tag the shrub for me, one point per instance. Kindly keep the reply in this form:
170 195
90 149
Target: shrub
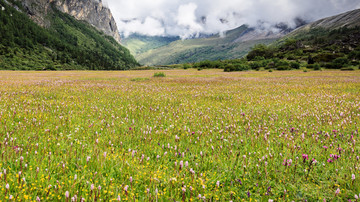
315 66
331 66
282 68
341 62
187 66
347 69
159 74
295 65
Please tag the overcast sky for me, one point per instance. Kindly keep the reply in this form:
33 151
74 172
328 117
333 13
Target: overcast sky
186 18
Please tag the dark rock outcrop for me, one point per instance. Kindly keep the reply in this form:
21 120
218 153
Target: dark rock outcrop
91 11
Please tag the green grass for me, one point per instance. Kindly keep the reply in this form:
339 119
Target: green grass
225 136
159 74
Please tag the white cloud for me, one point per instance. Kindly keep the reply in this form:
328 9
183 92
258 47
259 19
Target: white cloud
149 26
188 17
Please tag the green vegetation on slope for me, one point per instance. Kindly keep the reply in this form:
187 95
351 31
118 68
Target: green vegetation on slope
66 44
138 44
196 50
314 49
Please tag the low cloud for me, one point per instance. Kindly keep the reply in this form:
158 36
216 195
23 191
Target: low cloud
187 18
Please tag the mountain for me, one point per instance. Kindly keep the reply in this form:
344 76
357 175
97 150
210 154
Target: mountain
232 44
329 43
60 34
138 43
349 20
91 11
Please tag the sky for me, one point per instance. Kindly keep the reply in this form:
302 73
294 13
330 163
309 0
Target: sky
188 18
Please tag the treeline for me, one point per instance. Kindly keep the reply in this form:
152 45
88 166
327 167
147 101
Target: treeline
317 49
66 44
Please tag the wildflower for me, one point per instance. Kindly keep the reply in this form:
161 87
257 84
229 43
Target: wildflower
67 194
353 176
130 179
305 156
104 154
75 177
87 159
248 194
218 183
126 188
38 199
92 187
7 186
287 162
99 188
337 191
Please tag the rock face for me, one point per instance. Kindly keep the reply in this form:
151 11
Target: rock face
91 11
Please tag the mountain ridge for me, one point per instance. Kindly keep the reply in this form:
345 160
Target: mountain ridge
91 11
62 43
232 44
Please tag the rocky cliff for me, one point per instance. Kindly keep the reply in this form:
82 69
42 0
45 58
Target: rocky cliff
91 11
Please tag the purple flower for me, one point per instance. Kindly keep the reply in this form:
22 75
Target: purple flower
248 194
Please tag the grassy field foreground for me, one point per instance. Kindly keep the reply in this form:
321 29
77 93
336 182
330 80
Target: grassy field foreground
191 136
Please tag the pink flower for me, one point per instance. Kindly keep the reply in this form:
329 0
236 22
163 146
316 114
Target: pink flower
337 191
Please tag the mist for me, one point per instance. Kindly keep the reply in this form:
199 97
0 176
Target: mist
188 18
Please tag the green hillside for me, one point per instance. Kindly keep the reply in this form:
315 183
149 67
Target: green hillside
138 44
195 50
67 44
317 48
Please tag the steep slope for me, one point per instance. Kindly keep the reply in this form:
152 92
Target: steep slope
91 11
349 20
234 44
61 43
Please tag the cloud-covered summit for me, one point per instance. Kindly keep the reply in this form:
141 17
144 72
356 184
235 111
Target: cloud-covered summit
187 18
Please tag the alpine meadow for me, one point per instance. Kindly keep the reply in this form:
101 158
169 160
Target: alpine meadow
193 100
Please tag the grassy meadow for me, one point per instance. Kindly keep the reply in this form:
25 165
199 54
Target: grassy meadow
190 136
